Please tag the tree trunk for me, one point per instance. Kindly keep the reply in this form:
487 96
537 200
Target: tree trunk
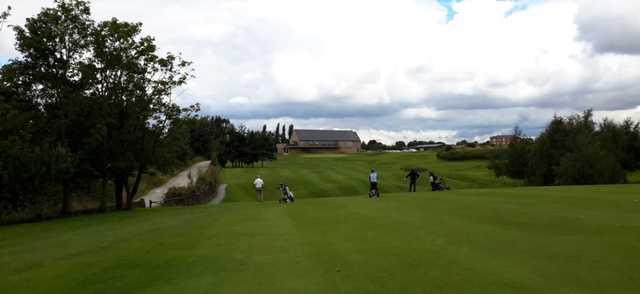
103 196
134 190
119 190
66 199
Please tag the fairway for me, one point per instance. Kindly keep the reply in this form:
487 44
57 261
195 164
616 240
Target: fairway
516 240
332 175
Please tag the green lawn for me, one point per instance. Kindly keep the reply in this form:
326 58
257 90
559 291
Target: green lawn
331 175
514 240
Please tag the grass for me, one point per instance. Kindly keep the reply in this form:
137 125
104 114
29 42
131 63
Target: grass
515 240
331 175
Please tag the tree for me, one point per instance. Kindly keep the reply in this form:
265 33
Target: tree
283 138
31 166
374 145
277 134
290 131
104 93
515 161
573 150
417 143
54 46
399 145
134 84
4 16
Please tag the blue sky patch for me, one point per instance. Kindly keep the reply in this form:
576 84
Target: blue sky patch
448 5
521 6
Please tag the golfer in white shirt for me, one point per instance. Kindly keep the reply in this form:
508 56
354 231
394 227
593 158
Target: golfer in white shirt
258 183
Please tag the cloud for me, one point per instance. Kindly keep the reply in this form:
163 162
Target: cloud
611 26
394 67
619 115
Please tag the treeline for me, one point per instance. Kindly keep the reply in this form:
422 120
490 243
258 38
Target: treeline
244 148
573 150
87 110
373 145
216 138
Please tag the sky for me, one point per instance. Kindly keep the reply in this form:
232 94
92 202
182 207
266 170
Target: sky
441 70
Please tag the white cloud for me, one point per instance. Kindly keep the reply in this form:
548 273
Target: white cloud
240 100
619 115
394 66
390 137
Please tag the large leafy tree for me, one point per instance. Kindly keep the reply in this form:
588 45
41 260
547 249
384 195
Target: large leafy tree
133 85
54 46
102 90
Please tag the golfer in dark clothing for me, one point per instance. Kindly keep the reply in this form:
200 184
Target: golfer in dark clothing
433 181
413 178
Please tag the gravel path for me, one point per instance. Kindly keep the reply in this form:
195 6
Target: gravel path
181 180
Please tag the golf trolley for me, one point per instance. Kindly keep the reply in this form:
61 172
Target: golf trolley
287 195
374 192
439 185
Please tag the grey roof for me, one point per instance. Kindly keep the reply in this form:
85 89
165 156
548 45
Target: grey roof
326 135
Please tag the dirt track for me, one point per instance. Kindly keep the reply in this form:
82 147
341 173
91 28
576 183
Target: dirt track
182 179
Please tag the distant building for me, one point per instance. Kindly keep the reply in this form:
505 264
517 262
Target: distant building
327 141
501 140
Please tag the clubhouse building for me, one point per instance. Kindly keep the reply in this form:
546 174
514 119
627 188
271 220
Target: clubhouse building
321 141
503 140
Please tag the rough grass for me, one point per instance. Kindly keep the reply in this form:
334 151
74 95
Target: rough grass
516 240
331 175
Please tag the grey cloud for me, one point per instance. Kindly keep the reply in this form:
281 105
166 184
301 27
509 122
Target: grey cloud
608 40
610 26
331 108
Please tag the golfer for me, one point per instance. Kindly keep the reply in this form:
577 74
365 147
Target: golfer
373 181
258 183
413 179
432 181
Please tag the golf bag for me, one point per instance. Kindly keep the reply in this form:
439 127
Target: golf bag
439 184
287 195
374 192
